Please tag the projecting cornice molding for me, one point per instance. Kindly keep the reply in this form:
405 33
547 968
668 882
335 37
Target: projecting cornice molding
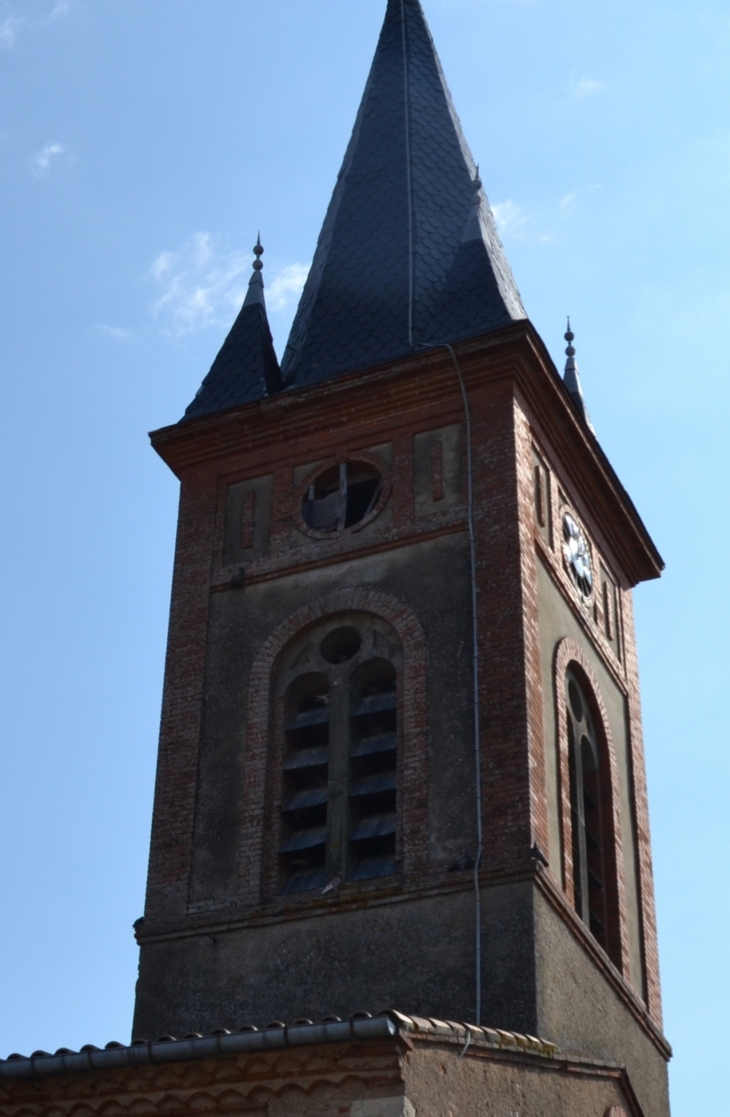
514 354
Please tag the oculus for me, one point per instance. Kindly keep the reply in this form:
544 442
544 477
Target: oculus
343 496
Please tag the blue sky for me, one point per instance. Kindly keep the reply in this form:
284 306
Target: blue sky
142 146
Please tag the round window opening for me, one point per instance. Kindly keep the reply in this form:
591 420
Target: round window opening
342 496
341 645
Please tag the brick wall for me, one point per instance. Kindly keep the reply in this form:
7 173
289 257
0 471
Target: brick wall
517 403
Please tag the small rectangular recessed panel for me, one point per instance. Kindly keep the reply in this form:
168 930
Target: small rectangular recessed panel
608 606
541 494
248 520
437 470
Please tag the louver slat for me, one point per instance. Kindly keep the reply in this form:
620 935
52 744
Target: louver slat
376 703
375 826
305 839
310 797
318 716
308 758
372 785
385 742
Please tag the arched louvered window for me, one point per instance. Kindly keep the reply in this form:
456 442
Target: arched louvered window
593 844
305 774
338 789
373 785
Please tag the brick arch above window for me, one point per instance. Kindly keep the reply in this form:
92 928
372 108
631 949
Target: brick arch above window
413 717
570 655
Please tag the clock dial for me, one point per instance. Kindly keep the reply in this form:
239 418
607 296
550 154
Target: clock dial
577 555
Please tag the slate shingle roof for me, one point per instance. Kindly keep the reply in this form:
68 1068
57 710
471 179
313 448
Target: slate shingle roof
396 221
402 261
246 367
478 296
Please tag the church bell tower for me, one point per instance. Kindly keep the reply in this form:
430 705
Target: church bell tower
401 760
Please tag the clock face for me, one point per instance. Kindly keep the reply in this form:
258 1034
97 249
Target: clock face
577 555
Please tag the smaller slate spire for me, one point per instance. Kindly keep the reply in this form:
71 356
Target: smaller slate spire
571 379
255 292
246 367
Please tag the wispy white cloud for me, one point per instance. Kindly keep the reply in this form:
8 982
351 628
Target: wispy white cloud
585 87
9 30
12 25
204 282
512 221
200 284
42 159
114 331
286 286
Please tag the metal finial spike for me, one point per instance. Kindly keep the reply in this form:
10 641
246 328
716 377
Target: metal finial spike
571 378
255 292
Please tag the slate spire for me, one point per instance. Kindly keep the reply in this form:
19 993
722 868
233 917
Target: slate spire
246 367
386 257
572 382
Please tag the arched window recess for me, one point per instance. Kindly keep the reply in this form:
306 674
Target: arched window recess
339 755
595 892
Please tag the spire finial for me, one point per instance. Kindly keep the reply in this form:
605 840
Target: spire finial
477 186
572 378
473 230
256 282
258 253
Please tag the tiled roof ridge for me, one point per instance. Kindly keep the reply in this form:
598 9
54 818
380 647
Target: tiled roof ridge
360 1026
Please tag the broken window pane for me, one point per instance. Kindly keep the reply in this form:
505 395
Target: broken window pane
342 496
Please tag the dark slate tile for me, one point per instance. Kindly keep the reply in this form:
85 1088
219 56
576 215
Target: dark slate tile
391 251
396 219
246 368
